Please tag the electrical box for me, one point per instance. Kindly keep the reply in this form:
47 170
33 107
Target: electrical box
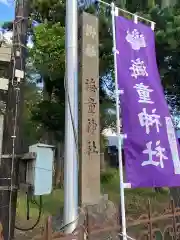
39 171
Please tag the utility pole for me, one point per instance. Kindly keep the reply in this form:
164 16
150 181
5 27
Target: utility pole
71 119
12 133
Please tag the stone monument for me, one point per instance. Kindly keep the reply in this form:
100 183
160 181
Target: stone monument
89 132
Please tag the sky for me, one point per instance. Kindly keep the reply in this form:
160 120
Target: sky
6 10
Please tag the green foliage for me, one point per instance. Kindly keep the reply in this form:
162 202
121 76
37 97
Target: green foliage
31 130
7 25
51 11
167 51
48 57
103 142
48 53
50 114
108 175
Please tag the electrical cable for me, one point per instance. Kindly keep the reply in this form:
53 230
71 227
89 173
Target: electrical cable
27 202
72 120
68 224
75 139
38 218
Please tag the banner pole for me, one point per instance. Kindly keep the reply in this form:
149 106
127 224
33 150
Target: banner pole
123 213
127 12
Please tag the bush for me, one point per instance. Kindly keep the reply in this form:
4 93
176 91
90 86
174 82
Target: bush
107 176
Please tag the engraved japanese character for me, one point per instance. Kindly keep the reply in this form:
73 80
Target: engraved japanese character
90 31
92 147
91 85
90 51
92 125
91 105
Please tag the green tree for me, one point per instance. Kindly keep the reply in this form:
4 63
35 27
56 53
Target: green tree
167 52
48 58
31 130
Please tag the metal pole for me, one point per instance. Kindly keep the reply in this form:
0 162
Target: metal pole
123 214
71 118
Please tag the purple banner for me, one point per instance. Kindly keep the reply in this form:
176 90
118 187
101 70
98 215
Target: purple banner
151 149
